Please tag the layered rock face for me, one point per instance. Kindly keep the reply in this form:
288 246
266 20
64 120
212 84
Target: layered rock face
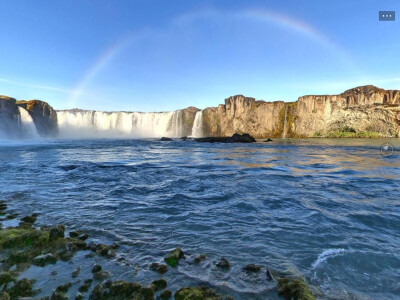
188 116
43 115
243 115
9 117
365 109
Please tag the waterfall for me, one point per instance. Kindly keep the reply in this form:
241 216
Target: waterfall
99 124
197 129
284 123
28 126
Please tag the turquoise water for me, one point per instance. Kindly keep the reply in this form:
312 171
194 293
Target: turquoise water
326 209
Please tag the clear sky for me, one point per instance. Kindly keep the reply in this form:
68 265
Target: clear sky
147 55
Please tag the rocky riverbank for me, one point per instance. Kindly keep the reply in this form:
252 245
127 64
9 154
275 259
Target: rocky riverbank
24 246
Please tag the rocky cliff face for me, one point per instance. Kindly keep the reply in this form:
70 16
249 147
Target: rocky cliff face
9 117
11 121
188 115
365 111
43 115
243 115
362 111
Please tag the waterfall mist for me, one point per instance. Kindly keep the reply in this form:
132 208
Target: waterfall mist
98 124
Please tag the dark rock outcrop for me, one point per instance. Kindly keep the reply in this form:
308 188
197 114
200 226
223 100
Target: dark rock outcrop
9 117
43 115
235 138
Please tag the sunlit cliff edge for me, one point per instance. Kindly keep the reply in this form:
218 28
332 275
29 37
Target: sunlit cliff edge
365 111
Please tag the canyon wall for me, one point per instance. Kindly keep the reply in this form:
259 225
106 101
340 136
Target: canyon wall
365 111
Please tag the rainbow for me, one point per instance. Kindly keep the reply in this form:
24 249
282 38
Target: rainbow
253 15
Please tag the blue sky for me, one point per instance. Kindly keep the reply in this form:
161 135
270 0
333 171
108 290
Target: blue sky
161 55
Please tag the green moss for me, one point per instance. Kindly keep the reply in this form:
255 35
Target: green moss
165 295
158 284
64 287
360 134
159 268
22 237
6 277
173 257
294 288
145 293
196 293
22 288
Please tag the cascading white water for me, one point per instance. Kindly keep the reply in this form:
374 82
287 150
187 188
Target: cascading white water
284 123
28 126
197 129
79 123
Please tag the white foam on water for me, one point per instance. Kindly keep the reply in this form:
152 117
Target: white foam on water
328 254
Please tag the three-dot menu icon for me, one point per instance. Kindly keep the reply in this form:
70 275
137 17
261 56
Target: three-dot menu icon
387 15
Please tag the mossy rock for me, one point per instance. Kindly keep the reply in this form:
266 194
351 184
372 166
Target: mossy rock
20 237
294 288
56 232
6 277
158 284
159 268
121 289
144 293
44 259
165 295
29 219
117 290
252 268
197 293
200 258
172 259
22 288
223 263
85 286
64 287
4 296
25 245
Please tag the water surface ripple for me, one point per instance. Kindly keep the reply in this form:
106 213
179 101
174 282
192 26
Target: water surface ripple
326 209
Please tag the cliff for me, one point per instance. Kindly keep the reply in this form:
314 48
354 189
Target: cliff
12 124
9 117
43 115
363 111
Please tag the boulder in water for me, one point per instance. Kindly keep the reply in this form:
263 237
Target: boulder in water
165 139
267 140
173 257
223 263
236 138
252 268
